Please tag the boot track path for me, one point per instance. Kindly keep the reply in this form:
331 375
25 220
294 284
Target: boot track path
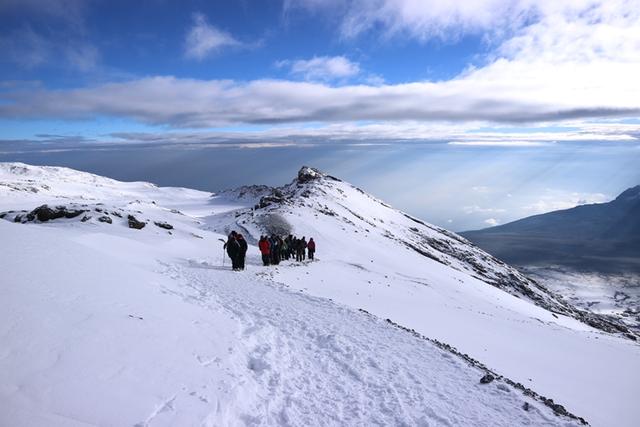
304 360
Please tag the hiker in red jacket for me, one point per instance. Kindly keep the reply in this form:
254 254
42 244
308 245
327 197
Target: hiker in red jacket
265 250
311 247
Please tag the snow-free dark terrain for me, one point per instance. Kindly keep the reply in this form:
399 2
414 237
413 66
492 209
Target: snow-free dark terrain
116 309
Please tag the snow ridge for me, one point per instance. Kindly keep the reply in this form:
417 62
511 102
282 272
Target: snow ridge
313 193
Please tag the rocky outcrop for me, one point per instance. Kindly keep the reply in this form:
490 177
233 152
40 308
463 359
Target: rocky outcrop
164 225
306 174
487 379
45 213
276 197
134 223
106 219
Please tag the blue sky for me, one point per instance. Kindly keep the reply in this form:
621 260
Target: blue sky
486 84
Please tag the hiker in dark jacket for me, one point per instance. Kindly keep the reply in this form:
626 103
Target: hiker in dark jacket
242 254
264 247
275 250
290 249
294 248
301 249
233 250
284 252
311 247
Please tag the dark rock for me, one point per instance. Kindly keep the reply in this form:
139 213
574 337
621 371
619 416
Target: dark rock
306 174
106 219
2 214
525 406
265 201
45 213
73 213
85 218
487 379
164 225
134 223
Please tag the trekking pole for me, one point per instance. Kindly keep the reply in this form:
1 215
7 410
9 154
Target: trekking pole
222 240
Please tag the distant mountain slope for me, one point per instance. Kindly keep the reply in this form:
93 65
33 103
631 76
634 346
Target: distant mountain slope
600 237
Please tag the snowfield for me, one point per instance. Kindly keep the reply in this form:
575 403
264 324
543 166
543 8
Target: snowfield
103 324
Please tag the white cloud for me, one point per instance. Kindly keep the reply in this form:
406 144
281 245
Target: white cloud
203 39
351 133
477 209
560 53
553 200
500 143
426 19
203 103
567 61
322 67
492 222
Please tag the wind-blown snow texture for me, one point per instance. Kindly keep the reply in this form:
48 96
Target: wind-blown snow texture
102 324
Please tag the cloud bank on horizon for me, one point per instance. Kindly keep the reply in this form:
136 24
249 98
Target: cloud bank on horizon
544 66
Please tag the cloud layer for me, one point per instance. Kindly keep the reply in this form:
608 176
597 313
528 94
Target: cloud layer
551 62
199 103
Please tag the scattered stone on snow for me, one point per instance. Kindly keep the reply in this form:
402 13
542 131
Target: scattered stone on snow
134 223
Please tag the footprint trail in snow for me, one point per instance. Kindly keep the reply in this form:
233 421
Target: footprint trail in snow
309 361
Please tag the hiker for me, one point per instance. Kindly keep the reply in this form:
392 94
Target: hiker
242 254
265 247
303 248
275 250
285 250
290 248
311 247
233 250
280 248
294 247
301 245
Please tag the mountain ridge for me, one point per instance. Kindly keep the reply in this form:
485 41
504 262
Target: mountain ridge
601 236
326 195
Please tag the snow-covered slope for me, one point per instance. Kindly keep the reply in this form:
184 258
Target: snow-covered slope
102 324
317 204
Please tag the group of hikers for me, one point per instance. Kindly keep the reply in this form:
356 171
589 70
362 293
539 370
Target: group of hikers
273 249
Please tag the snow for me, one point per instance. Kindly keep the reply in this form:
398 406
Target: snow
105 325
